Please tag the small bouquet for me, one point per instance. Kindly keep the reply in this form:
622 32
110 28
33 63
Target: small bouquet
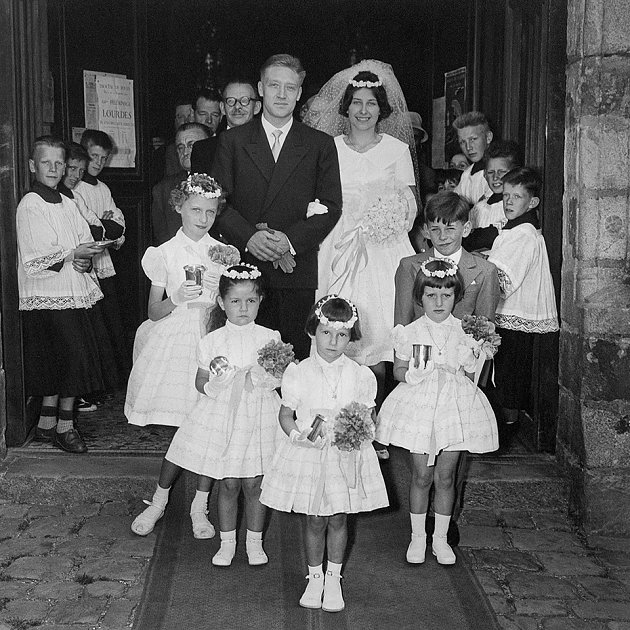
225 255
385 212
275 356
483 331
353 425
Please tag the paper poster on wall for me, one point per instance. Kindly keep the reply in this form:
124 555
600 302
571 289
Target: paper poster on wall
109 106
437 146
455 105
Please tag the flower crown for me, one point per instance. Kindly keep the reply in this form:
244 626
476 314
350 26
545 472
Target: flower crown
202 185
366 84
336 324
439 273
231 272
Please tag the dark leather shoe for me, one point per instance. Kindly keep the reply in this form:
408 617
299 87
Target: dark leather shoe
452 536
70 441
44 435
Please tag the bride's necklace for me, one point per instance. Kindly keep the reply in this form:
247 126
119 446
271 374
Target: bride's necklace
440 349
334 388
365 147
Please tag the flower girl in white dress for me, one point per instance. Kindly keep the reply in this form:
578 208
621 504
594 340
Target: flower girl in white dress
161 387
231 434
436 411
315 473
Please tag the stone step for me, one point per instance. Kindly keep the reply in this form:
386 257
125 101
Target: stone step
57 477
525 482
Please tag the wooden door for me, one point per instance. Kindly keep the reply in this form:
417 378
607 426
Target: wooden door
526 96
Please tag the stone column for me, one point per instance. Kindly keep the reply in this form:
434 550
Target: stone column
594 417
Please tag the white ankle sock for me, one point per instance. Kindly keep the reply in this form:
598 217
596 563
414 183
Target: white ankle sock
253 536
200 502
418 523
315 571
160 496
441 525
228 536
333 568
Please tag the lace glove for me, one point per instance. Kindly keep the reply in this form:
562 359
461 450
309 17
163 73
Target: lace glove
210 282
186 292
261 378
218 383
301 439
416 374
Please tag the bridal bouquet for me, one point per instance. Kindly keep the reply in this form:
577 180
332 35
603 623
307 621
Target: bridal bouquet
483 331
385 211
275 356
225 255
353 425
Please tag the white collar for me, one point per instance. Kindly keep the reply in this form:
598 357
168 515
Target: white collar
233 328
269 128
325 365
456 257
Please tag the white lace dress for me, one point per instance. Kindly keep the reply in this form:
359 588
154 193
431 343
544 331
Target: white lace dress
324 482
234 432
445 411
161 387
359 258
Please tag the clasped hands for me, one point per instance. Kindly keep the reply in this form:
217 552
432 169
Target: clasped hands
272 246
416 374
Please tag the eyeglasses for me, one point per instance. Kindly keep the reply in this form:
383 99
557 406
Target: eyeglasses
244 101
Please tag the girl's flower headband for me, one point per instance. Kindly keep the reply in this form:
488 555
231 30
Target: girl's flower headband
439 273
202 185
231 272
366 84
337 324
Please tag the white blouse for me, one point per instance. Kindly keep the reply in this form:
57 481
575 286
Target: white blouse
47 233
238 344
164 266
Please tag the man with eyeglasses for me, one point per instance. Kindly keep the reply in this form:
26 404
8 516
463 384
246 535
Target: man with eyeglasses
165 220
239 104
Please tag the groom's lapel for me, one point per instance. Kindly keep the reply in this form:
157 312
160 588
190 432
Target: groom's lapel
258 150
293 151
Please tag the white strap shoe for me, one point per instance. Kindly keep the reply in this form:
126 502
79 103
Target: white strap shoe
201 526
312 597
442 550
417 549
225 555
333 598
144 523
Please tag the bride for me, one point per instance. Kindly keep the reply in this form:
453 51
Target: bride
364 108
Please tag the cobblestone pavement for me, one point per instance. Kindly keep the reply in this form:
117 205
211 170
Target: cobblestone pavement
70 562
70 567
78 567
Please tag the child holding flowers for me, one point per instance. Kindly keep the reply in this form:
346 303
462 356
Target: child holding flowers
436 412
231 433
326 469
161 384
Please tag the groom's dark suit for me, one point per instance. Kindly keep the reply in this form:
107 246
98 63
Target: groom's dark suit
278 193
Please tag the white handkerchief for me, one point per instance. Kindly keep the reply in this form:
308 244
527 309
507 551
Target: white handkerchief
316 208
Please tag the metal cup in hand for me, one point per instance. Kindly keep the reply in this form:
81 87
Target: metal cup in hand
421 354
317 422
194 273
219 366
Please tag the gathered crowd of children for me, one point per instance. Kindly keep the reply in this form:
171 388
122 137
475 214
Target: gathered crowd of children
280 434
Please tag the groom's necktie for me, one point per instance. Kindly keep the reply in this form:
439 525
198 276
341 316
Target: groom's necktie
275 149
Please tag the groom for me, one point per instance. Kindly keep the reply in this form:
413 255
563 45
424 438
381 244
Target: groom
283 197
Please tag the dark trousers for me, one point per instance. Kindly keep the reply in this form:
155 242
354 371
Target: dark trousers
286 310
